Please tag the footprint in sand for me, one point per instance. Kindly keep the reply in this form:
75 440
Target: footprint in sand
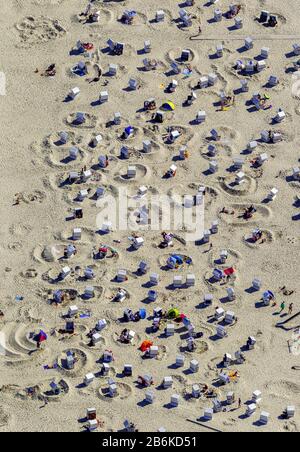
283 389
36 30
5 416
37 196
30 273
15 246
20 229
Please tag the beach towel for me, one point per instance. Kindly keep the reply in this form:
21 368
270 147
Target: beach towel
186 321
229 271
129 130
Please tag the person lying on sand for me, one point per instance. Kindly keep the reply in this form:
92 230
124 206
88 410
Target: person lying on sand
199 33
286 292
87 10
167 240
50 71
273 22
227 103
98 74
18 199
227 212
205 388
124 336
249 212
234 11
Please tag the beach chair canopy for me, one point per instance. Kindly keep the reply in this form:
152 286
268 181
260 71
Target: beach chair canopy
268 294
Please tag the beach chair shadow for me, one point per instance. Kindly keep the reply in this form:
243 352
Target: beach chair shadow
66 160
290 55
214 56
215 338
290 70
242 49
169 406
143 404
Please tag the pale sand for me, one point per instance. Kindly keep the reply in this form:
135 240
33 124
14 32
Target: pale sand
33 110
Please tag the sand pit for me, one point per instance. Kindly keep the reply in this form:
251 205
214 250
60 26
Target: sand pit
38 30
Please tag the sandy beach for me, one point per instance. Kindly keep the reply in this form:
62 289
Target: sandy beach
38 202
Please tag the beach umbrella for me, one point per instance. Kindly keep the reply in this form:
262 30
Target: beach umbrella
168 106
41 337
143 313
179 259
173 313
146 345
229 271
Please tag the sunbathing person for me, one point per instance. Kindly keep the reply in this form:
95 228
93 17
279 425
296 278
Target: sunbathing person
273 22
50 71
227 102
234 11
124 337
167 240
249 212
